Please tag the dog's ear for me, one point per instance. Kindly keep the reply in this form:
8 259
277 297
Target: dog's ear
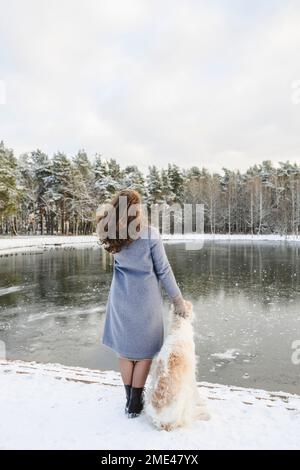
161 394
169 380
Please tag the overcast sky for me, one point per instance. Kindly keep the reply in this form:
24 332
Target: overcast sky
209 83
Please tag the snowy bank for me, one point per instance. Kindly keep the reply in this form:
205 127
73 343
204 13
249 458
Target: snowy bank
38 244
51 406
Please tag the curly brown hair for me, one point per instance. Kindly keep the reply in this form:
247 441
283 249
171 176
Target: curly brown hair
114 218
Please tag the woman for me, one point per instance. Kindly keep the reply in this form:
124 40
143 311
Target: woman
134 313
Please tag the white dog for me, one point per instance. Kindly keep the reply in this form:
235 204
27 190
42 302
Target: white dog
172 399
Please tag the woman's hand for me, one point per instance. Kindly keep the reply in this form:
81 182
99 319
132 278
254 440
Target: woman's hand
181 307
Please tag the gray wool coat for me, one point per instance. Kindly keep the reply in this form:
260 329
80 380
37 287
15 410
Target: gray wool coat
134 313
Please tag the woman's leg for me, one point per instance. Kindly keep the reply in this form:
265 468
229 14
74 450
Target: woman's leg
140 373
126 369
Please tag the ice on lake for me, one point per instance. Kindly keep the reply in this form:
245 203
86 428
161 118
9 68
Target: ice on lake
246 298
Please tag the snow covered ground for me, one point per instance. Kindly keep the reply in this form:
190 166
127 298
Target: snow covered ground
37 244
50 406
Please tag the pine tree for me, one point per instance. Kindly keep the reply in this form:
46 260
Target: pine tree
154 186
84 203
34 174
61 190
83 164
167 193
39 194
133 178
9 192
176 182
108 178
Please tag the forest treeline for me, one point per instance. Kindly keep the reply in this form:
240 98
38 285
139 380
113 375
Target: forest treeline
59 195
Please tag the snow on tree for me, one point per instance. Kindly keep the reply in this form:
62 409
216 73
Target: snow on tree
82 204
176 182
154 186
34 174
167 190
40 194
9 191
61 190
133 178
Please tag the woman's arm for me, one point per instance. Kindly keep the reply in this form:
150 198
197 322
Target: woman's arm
165 273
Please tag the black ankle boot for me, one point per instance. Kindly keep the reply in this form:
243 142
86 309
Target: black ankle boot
136 402
128 394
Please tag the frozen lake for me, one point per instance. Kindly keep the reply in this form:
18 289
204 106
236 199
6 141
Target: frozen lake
246 297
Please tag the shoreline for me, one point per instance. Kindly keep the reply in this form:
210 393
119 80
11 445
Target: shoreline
27 244
53 406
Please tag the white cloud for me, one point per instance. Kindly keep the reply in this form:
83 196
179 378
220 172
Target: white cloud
151 82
